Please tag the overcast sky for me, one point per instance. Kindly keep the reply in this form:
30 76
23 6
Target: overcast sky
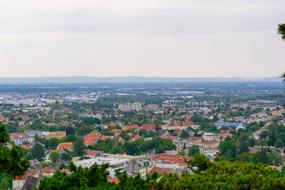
177 38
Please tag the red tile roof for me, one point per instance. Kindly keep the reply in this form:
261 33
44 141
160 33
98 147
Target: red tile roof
171 159
91 138
27 146
129 127
66 145
15 135
22 177
187 123
149 127
48 170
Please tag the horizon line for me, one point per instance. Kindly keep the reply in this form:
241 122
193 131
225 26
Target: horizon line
140 76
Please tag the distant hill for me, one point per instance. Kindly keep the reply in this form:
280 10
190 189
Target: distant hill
133 79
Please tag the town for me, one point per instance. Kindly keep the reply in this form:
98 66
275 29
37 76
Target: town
142 129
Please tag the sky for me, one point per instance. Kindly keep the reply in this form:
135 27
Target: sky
168 38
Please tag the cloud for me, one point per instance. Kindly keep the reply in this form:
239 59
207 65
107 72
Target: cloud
139 17
141 37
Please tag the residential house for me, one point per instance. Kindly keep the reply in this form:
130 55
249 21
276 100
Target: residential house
139 166
20 137
169 163
130 127
64 146
18 182
205 142
182 145
93 137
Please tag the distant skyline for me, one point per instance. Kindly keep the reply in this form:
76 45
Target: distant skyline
97 80
151 38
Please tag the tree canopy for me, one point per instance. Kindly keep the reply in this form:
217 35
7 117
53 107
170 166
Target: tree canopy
81 178
78 146
281 30
4 136
12 161
222 175
38 151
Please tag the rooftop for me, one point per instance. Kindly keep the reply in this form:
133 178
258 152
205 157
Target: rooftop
171 159
66 145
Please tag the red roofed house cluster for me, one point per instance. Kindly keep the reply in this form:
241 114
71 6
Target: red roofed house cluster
93 137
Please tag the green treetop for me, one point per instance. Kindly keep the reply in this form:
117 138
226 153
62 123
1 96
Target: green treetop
4 136
11 156
281 30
